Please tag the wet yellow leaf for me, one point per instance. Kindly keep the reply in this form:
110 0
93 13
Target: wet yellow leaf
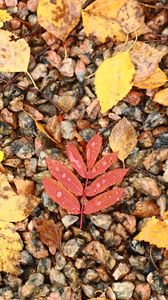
113 80
161 97
157 79
13 207
99 20
4 17
123 138
1 156
154 232
130 16
59 18
10 248
14 55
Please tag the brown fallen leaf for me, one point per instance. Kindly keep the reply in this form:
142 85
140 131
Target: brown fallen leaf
50 233
161 97
24 187
123 138
59 17
13 207
130 16
10 248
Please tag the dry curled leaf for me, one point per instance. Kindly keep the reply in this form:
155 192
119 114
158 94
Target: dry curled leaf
10 248
13 207
154 232
123 138
157 79
4 17
113 80
130 16
161 97
49 233
59 18
14 54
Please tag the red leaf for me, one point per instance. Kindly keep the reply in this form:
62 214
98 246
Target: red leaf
103 201
58 193
65 176
93 149
105 181
76 160
103 164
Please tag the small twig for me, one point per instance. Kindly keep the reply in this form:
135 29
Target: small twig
152 259
32 80
91 75
154 6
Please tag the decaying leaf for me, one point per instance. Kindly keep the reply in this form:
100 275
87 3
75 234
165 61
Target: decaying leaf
161 97
13 207
59 18
10 248
113 80
123 138
14 54
50 233
24 187
154 232
130 16
157 79
99 20
1 155
4 17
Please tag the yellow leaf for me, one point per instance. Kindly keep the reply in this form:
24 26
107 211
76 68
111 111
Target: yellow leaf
154 232
4 17
113 80
99 20
161 97
130 16
157 79
13 207
10 248
1 156
14 55
59 18
123 138
41 128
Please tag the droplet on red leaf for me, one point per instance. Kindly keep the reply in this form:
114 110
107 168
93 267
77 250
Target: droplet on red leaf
103 164
65 176
105 181
93 149
103 201
58 193
76 160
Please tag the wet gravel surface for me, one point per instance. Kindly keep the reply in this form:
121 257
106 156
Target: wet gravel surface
102 259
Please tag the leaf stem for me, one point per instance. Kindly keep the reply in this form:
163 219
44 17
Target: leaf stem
82 203
32 80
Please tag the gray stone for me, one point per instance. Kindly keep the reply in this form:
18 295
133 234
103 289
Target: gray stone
57 278
101 220
71 248
68 220
67 130
123 290
22 148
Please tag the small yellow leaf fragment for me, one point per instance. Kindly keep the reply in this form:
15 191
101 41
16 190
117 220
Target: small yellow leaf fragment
13 207
113 80
59 18
157 79
4 17
41 128
14 55
154 232
10 248
123 138
1 155
161 97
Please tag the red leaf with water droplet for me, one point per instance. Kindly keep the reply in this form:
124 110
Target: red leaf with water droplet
93 149
104 181
59 194
76 160
103 201
102 165
65 176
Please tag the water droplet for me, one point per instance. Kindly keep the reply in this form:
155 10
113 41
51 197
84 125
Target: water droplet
93 144
59 194
57 169
63 175
98 185
99 203
69 179
104 163
103 181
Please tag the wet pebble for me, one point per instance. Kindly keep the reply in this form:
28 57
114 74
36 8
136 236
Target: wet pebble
67 130
57 278
153 120
161 142
5 129
156 282
39 71
121 270
101 220
22 148
142 291
72 274
147 186
65 102
123 290
68 67
60 261
26 124
68 220
44 266
26 258
71 247
32 286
